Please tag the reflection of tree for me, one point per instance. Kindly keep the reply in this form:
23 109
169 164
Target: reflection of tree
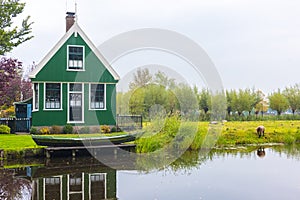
11 187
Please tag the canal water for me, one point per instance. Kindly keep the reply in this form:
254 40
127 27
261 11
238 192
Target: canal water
248 173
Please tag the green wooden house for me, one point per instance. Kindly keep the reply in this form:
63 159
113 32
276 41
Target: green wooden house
74 84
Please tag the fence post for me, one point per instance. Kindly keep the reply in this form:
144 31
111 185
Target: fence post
12 124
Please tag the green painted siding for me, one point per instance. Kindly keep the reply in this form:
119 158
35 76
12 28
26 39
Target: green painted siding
56 68
50 117
91 117
111 184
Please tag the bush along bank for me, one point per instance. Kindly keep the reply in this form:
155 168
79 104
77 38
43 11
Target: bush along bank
193 135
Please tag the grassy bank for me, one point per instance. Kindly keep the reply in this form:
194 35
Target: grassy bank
19 146
16 142
178 134
232 134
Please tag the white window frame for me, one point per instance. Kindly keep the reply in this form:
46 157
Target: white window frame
75 192
68 103
105 184
90 87
34 95
61 97
83 58
44 184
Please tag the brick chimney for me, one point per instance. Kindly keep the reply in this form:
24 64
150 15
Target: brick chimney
70 20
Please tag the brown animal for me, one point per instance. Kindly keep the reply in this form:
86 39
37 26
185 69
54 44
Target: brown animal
260 131
261 152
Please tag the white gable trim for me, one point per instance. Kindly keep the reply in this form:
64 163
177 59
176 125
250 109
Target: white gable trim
74 29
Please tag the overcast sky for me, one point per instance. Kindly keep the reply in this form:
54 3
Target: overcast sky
253 43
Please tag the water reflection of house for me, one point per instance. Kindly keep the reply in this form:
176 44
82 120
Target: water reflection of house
80 178
84 178
101 185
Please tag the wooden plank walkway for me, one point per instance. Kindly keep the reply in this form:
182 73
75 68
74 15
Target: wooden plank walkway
93 149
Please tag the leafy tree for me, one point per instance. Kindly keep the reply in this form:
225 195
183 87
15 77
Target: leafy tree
141 78
186 98
205 100
136 102
9 80
154 95
262 105
278 102
161 78
244 100
123 103
218 106
293 96
11 37
12 87
171 102
230 95
26 89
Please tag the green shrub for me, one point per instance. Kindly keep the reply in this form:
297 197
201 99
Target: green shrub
33 130
171 126
8 112
105 129
68 128
84 129
44 131
115 129
4 129
56 130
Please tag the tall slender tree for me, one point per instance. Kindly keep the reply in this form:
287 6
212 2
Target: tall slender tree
278 102
141 78
292 94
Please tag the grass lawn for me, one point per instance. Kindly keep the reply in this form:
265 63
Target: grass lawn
16 142
233 133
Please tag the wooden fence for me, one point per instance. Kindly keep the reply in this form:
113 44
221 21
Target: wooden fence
17 124
129 122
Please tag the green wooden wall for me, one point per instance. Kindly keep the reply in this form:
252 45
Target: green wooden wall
55 70
91 117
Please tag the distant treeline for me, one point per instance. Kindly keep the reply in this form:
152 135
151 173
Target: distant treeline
151 95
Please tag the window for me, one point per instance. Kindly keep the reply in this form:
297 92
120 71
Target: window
76 103
36 96
53 96
97 96
75 57
98 187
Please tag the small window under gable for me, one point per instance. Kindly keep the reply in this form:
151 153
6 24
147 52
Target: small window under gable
75 57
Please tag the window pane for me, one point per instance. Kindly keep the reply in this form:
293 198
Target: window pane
76 87
52 96
75 57
97 96
36 96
